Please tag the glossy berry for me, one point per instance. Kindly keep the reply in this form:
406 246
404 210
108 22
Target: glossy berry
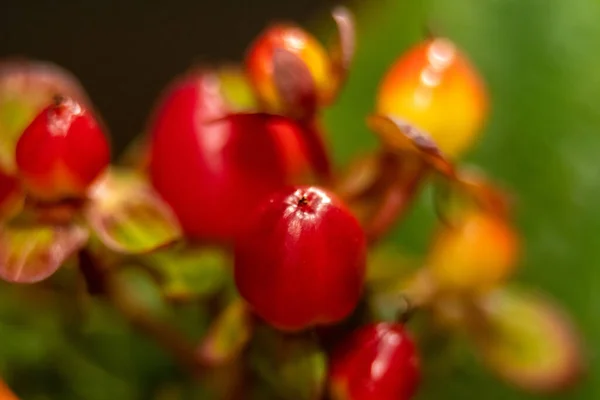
300 261
211 173
477 253
434 87
26 88
61 152
378 361
259 64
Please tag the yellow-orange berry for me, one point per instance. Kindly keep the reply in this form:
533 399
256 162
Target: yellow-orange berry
295 40
478 252
435 87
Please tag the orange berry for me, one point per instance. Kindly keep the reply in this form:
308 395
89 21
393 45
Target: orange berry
477 253
295 40
434 87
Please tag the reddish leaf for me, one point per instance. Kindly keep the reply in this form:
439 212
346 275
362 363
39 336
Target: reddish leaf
128 216
403 137
530 343
342 51
294 83
29 254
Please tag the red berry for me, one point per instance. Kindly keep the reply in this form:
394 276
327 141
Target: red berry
378 361
211 173
61 152
301 260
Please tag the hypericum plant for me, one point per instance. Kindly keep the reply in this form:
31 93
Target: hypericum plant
230 200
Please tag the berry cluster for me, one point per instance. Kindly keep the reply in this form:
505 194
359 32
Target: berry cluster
235 162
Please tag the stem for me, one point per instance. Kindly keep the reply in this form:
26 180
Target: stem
395 201
102 281
316 150
170 339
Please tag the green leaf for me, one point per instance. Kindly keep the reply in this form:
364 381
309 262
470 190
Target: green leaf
128 216
292 365
530 342
191 272
29 254
236 88
228 335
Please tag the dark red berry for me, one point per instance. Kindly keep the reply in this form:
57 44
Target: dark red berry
301 260
212 173
61 152
378 361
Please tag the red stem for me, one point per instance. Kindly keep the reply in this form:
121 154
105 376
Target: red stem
396 200
316 150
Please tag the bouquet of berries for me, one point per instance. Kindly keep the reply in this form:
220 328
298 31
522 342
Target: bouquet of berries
230 200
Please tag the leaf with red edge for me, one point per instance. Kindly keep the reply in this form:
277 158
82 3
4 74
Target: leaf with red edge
228 335
342 51
128 216
530 342
30 254
294 83
403 137
12 197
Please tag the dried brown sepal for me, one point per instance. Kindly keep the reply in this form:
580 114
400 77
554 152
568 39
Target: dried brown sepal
32 253
295 84
403 137
529 342
128 216
343 48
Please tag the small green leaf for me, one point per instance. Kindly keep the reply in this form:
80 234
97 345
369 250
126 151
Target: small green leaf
29 254
191 272
530 342
292 365
236 88
128 216
228 335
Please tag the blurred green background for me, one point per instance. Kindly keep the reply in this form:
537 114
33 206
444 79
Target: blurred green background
540 59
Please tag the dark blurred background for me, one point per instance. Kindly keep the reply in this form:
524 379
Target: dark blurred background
125 52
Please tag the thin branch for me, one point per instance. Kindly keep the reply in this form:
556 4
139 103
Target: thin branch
102 281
